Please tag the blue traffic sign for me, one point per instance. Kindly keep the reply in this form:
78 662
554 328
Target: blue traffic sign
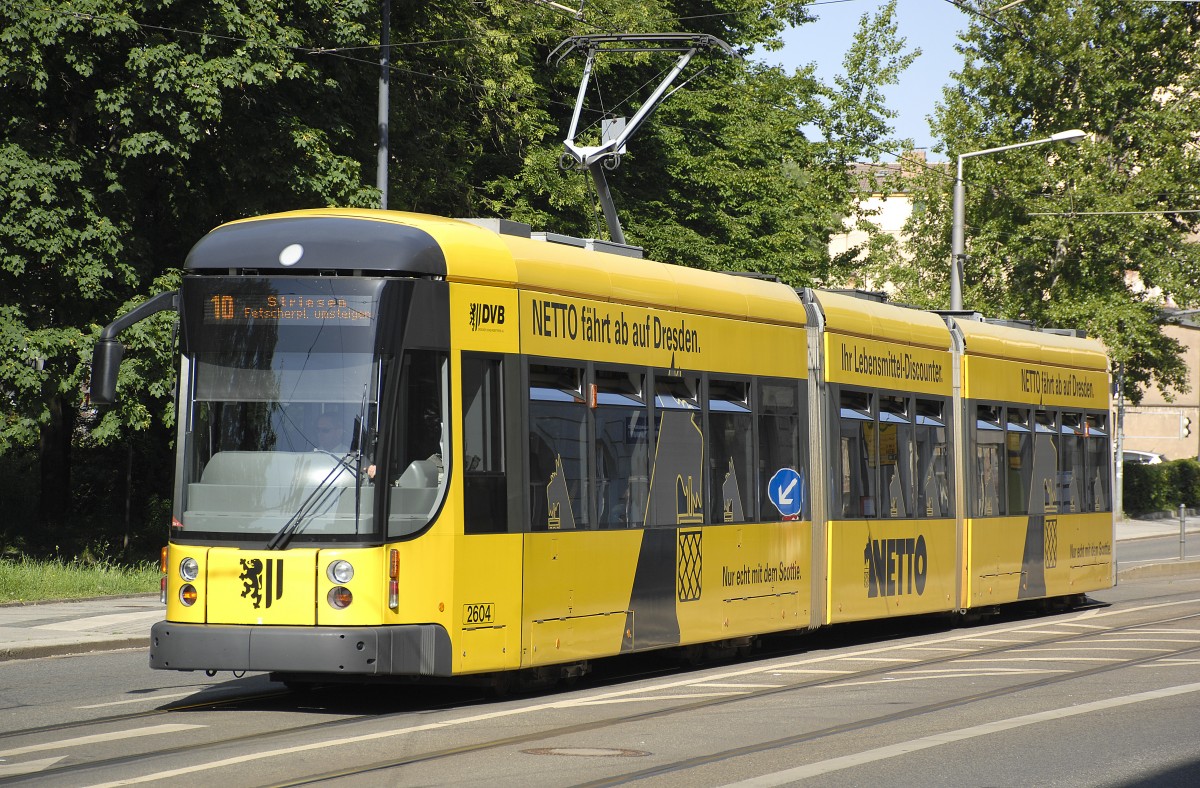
786 491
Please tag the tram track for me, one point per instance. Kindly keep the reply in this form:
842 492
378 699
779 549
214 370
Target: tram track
710 703
265 741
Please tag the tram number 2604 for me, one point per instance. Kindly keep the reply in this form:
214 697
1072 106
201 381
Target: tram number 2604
479 613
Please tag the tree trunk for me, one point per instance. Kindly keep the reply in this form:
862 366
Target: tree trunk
54 455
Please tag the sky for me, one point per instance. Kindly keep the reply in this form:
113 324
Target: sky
930 25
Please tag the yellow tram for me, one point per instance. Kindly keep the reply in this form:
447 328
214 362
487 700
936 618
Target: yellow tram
412 446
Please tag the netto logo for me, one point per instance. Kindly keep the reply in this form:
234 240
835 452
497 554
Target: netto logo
262 579
895 567
486 314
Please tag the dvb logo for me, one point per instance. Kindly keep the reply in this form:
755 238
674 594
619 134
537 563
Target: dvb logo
485 314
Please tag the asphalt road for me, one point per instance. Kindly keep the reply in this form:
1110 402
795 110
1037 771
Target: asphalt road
1105 695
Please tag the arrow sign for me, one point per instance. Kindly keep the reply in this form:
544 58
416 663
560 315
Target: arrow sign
786 492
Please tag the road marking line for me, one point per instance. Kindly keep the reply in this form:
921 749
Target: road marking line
1039 659
1089 647
735 685
961 675
145 699
640 698
950 737
28 767
561 704
874 659
81 741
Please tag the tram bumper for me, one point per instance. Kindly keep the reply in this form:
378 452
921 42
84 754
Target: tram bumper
407 650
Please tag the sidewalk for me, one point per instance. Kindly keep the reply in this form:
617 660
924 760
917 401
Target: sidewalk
47 629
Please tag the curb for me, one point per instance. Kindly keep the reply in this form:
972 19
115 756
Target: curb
39 650
1175 568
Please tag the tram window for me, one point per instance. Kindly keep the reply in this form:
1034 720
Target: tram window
730 451
1018 445
932 452
989 451
485 484
676 392
895 456
416 472
1043 497
858 450
1071 467
558 472
622 455
677 477
1097 484
779 443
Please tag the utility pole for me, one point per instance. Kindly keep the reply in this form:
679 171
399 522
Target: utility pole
385 62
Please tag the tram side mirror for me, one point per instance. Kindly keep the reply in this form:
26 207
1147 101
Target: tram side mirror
106 363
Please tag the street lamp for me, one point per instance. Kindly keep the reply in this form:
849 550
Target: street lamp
956 235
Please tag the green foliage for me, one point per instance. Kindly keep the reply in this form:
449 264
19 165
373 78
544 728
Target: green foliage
29 580
1058 235
1161 487
131 128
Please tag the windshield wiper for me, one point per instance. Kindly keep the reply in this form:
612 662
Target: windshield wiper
317 498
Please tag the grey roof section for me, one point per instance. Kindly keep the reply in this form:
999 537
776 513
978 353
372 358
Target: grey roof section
320 243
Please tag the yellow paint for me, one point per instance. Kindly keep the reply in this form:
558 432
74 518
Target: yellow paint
369 587
176 610
890 365
561 326
755 578
484 318
876 568
486 606
232 589
1034 382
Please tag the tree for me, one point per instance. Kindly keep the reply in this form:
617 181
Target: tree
1086 236
722 176
130 129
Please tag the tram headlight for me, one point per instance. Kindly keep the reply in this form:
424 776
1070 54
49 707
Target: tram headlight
189 569
340 597
187 594
340 572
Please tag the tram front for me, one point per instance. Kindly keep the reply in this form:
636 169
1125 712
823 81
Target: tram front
312 431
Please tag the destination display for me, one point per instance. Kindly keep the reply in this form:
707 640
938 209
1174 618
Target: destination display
231 309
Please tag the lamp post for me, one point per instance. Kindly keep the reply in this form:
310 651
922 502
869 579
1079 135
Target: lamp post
956 234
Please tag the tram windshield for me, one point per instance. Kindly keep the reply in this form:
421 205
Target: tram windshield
280 425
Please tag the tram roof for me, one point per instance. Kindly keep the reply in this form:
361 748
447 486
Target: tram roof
1036 347
846 314
380 242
